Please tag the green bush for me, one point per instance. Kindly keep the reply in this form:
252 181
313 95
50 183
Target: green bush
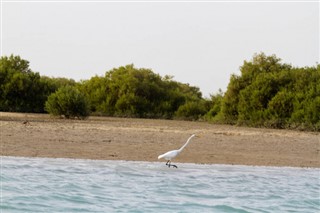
20 89
267 93
191 110
131 92
271 94
67 102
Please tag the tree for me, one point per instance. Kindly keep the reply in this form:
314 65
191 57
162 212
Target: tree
20 89
272 94
95 91
131 92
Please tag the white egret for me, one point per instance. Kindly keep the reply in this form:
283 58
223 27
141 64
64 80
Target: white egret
174 153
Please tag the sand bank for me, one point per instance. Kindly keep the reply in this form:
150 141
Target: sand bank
34 135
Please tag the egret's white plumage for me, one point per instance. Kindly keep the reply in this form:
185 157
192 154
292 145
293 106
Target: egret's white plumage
174 153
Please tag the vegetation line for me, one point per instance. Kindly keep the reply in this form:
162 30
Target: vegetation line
267 93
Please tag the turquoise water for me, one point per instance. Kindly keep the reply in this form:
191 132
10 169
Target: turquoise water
65 185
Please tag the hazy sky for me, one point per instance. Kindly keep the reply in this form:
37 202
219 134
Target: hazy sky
198 43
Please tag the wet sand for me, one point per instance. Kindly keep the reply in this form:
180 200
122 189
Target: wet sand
39 135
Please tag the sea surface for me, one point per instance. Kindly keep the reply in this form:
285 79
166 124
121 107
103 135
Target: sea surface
68 185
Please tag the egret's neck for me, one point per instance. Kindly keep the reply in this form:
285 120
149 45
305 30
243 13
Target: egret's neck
189 139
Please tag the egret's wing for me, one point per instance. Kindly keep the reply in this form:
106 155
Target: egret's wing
169 155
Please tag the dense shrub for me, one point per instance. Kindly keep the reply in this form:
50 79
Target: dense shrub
191 110
130 92
67 102
266 93
272 94
21 89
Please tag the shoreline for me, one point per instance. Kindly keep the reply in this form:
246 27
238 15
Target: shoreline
109 138
163 162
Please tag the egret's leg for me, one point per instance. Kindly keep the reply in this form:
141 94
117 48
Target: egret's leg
169 165
174 166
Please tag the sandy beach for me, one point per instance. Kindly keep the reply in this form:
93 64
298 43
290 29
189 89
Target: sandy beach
39 135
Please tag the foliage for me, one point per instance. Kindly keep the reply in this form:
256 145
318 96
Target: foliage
20 88
67 101
192 110
214 108
272 94
95 91
130 92
267 93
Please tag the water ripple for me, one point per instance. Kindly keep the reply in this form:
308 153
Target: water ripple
64 185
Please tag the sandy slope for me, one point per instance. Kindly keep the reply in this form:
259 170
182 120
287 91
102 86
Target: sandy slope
144 140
